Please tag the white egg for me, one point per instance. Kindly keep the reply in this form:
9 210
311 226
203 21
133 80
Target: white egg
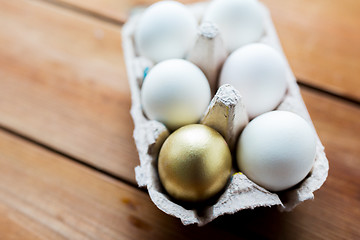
258 72
276 150
176 93
166 30
240 21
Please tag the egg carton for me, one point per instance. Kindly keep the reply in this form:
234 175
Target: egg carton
226 113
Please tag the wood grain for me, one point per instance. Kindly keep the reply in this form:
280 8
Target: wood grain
73 97
335 211
320 37
45 196
72 92
113 9
63 84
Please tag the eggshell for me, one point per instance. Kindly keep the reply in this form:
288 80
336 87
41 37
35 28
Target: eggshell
166 30
240 21
241 193
259 73
276 150
176 93
194 163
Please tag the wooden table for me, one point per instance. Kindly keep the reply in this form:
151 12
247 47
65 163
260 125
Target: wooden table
67 156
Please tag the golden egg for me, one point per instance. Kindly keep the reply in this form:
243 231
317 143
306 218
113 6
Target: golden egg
194 163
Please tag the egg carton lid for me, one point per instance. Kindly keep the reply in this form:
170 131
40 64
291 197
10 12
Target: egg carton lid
241 193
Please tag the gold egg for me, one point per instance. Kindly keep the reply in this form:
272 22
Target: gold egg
194 163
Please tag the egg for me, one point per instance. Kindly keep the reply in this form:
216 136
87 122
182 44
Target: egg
258 72
240 21
166 30
194 163
276 150
175 92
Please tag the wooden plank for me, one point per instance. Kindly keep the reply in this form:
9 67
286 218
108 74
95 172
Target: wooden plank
320 38
113 9
72 92
63 87
62 79
335 212
46 196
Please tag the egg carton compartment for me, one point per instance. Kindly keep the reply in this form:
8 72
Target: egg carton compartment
226 113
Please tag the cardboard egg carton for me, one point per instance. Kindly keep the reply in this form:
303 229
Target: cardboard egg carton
226 113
